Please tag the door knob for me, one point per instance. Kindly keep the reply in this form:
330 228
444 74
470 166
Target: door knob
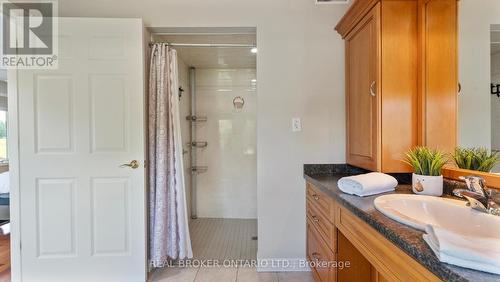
133 164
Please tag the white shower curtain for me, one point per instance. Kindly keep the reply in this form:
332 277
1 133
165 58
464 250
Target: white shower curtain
169 230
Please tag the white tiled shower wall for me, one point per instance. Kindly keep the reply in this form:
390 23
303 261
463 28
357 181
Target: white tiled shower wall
185 110
229 188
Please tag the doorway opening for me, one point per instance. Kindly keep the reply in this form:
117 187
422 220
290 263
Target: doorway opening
4 183
218 99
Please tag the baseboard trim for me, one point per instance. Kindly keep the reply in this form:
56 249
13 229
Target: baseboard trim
283 265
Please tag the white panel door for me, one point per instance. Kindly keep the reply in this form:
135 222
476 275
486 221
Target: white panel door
82 216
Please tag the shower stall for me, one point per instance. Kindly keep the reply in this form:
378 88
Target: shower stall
218 109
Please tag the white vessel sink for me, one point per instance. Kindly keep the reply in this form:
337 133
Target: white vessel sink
453 215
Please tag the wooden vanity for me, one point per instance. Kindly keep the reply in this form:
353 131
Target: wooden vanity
335 234
402 88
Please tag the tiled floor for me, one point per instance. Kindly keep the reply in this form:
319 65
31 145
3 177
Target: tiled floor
223 238
240 274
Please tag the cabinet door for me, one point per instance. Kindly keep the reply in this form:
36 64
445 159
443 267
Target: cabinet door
439 73
362 87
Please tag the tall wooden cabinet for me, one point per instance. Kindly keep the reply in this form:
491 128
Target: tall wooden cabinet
363 81
381 83
397 86
438 73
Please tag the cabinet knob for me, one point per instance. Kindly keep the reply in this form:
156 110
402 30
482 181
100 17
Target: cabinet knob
315 197
315 255
372 91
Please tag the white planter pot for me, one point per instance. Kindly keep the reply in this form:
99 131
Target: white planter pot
427 185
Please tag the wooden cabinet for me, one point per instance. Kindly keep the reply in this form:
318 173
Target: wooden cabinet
381 83
321 234
401 79
387 261
362 83
335 237
320 255
438 75
323 203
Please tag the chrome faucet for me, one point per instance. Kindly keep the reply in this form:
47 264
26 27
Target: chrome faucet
479 197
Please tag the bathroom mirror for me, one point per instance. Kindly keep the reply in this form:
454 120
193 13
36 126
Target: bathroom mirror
479 74
495 90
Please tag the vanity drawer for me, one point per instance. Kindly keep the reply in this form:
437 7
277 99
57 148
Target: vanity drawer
319 254
322 202
325 228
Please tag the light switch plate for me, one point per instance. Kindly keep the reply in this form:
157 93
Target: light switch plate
296 125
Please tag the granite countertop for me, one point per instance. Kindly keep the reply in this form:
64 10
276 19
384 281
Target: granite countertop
406 238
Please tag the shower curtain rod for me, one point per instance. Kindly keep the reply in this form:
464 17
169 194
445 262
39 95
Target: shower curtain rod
220 45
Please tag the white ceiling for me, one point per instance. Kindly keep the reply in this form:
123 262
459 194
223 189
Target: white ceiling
213 57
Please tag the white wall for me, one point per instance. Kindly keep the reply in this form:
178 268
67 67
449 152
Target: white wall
474 63
229 187
300 70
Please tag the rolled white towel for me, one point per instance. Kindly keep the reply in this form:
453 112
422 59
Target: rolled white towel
479 253
367 184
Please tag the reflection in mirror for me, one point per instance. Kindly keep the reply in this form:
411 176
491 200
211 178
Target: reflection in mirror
495 90
479 68
3 117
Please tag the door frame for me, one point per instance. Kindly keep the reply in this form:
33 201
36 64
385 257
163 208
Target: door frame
13 153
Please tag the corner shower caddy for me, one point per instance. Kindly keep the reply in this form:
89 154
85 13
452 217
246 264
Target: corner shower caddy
194 144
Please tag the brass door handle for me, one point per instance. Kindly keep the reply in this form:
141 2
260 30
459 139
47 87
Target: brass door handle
133 164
